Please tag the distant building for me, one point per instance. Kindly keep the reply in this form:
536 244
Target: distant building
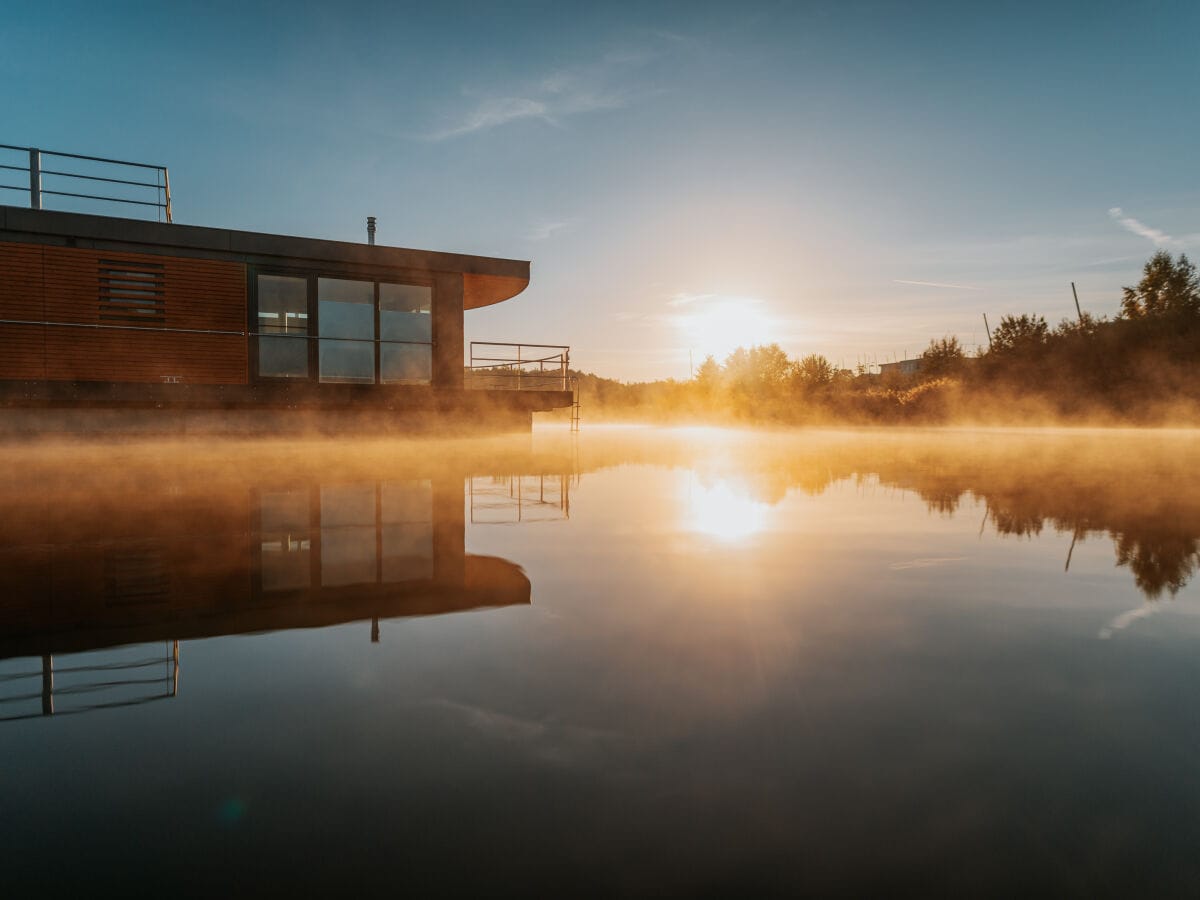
903 367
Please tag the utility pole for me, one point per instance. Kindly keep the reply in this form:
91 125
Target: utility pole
1075 293
988 330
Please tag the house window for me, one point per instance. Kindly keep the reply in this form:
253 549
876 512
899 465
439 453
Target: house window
365 332
405 333
282 326
346 314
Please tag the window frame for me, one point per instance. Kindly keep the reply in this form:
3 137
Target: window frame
312 305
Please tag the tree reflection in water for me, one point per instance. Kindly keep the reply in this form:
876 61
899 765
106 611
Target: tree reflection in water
1132 487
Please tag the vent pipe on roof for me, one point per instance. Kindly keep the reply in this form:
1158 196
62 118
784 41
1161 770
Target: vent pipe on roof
371 230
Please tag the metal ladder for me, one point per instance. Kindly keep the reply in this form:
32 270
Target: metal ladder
574 404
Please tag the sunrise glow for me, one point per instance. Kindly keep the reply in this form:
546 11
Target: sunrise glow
717 326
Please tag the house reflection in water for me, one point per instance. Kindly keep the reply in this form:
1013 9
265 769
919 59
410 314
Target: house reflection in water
188 562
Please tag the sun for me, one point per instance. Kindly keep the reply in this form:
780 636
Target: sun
719 326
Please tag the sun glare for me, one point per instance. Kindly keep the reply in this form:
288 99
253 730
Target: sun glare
721 326
722 511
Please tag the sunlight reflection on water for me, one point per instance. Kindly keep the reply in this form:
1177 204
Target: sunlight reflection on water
653 662
724 510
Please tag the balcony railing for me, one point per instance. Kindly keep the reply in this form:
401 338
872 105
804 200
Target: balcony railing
519 367
129 181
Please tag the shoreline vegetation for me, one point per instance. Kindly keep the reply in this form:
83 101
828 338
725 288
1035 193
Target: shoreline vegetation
1139 368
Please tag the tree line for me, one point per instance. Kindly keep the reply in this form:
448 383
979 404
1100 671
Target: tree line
1140 367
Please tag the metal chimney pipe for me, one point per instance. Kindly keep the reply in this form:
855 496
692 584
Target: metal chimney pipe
371 230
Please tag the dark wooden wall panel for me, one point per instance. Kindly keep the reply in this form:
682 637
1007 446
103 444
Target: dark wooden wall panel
84 354
22 347
62 285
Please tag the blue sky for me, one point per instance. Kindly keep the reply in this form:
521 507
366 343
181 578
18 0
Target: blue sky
845 178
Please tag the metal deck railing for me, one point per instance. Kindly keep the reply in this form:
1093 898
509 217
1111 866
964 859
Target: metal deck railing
519 367
502 366
137 190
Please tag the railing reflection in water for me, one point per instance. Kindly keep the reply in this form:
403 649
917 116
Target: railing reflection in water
103 685
515 499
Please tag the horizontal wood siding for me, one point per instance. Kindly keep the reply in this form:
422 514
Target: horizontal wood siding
22 347
196 294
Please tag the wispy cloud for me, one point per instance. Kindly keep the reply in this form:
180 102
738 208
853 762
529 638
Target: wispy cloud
1156 236
684 299
937 284
546 228
1140 228
558 95
492 112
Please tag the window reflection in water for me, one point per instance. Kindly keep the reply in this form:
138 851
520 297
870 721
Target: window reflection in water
406 531
286 523
367 534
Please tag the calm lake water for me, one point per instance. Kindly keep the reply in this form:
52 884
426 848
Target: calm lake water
627 662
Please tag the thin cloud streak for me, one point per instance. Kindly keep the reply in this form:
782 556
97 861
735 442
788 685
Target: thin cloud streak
560 94
545 229
1156 236
1141 229
937 284
494 112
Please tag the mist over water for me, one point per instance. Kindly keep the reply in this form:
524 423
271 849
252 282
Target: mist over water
630 661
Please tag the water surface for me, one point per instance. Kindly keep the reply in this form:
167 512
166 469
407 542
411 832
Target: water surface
631 661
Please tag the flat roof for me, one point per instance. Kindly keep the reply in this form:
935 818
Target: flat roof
487 279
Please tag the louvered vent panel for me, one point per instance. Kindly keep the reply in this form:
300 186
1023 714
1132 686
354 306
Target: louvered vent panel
133 293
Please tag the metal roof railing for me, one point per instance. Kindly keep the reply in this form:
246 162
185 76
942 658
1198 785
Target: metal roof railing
106 173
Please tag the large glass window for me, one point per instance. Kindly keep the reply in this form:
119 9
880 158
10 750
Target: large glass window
282 326
366 332
405 333
346 313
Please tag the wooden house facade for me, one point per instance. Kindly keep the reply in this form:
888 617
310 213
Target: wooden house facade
108 314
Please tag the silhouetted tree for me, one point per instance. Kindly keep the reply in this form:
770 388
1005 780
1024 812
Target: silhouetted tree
815 370
709 373
761 366
1087 324
1020 334
1168 288
942 357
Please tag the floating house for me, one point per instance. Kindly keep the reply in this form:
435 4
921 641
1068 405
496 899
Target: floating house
125 321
